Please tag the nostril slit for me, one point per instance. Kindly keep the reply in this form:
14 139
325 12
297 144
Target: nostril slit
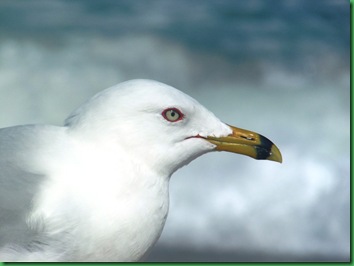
247 138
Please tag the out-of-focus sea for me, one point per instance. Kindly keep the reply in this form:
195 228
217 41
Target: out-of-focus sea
280 68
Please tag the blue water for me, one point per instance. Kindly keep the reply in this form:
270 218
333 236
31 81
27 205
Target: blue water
234 28
277 67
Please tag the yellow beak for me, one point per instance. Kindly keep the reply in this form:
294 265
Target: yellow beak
247 143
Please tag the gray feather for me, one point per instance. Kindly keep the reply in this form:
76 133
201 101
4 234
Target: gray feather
19 184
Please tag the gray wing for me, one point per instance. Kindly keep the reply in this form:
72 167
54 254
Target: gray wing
18 185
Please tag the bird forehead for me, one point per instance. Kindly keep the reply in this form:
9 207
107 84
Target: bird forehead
159 99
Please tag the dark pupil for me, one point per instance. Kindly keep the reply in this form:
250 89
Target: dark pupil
173 113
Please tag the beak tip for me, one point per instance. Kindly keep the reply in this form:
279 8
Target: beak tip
275 155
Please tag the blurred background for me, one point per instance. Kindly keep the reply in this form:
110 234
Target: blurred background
280 68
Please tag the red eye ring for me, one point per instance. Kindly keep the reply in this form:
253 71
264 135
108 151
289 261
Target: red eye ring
172 114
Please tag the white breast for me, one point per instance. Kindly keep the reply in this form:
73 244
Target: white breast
118 218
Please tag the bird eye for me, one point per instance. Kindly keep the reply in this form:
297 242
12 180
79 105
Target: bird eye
172 114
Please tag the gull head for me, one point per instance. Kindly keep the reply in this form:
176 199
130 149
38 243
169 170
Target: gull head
161 126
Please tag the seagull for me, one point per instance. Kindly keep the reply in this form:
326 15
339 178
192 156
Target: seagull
96 189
